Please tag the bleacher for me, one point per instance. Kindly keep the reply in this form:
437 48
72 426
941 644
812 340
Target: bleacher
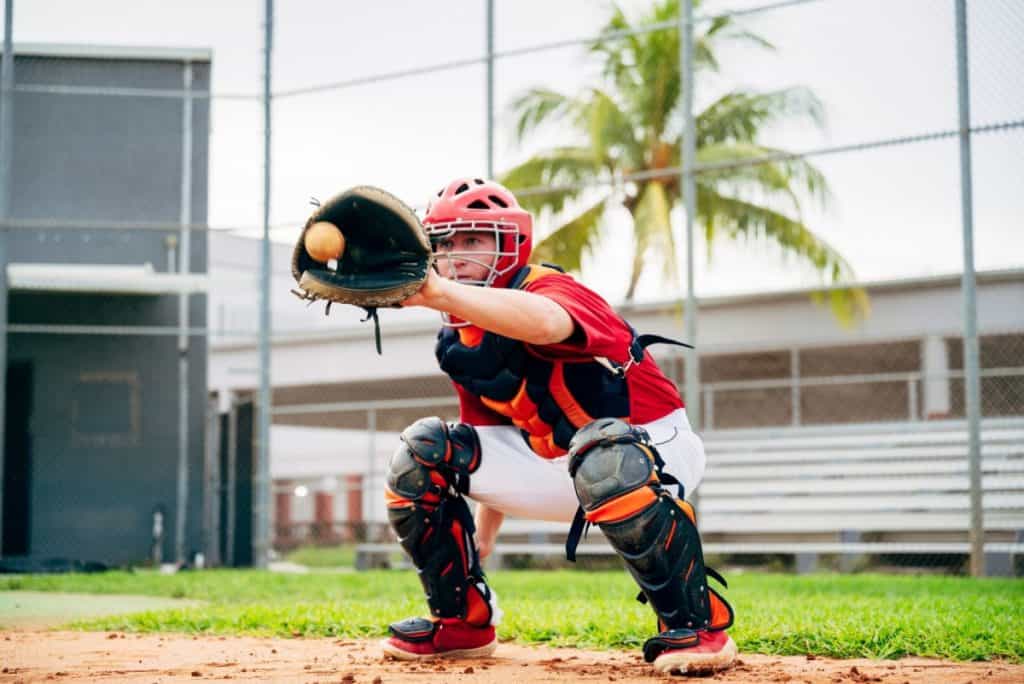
895 488
901 488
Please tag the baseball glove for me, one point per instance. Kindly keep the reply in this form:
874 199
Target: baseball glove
385 258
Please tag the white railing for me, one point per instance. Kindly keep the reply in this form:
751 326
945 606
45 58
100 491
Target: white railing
913 380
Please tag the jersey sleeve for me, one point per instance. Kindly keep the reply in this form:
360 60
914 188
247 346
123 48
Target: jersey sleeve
600 331
473 412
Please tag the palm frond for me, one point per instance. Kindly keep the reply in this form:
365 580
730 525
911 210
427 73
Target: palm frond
653 232
536 107
749 37
740 116
618 55
568 243
725 28
847 304
789 177
742 219
610 130
557 167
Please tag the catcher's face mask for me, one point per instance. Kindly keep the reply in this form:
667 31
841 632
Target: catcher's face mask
471 252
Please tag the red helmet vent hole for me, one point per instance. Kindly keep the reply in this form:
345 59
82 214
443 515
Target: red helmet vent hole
462 188
478 204
497 200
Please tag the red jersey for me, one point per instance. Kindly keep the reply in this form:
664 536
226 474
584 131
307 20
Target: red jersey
600 331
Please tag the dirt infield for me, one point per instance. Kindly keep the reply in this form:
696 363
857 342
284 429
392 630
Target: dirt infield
32 656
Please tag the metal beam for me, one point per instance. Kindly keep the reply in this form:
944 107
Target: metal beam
6 141
261 541
184 268
972 384
490 89
688 154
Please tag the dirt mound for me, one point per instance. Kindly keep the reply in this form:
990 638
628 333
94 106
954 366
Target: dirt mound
118 657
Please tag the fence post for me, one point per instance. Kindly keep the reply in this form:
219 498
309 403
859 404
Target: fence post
184 267
6 142
709 408
231 482
263 478
689 186
490 89
913 411
794 388
972 385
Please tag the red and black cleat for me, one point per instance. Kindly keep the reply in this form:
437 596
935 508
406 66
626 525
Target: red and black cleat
421 639
690 651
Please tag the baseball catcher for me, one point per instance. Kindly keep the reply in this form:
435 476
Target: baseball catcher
564 416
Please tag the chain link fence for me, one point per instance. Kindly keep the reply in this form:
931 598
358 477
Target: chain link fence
845 128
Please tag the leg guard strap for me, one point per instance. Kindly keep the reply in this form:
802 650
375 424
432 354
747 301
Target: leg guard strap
414 630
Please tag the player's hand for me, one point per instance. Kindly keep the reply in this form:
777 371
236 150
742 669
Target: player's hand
483 546
488 522
431 294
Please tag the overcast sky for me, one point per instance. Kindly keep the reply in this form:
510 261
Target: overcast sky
884 68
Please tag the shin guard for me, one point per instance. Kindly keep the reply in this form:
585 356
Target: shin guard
427 477
615 470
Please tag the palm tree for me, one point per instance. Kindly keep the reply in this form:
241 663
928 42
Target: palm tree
630 124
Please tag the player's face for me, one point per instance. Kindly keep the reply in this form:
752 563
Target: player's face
467 255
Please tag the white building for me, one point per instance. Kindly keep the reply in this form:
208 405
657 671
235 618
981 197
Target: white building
772 359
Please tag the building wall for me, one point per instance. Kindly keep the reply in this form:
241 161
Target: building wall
103 423
340 349
913 328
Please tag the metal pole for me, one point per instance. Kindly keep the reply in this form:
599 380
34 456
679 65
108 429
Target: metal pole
212 489
972 384
231 482
490 89
368 483
6 140
689 152
794 390
262 537
184 267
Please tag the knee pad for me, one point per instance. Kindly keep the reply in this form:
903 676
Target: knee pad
616 471
430 445
427 476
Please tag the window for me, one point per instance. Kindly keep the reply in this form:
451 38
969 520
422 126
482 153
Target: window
105 410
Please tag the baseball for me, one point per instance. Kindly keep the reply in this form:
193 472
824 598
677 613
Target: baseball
324 241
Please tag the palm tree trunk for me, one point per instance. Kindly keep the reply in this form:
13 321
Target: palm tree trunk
634 276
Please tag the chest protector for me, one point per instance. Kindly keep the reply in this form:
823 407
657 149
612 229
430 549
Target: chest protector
548 400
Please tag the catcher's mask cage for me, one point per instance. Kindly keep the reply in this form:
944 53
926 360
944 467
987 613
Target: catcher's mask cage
501 260
480 206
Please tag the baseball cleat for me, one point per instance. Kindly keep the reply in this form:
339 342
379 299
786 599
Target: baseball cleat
685 651
421 639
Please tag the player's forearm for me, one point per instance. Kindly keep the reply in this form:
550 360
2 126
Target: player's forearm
511 313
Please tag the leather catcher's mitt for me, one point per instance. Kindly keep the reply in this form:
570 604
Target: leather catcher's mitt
385 259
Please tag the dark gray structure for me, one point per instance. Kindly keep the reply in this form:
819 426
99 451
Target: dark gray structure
108 180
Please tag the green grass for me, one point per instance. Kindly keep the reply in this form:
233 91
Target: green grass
828 615
324 556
